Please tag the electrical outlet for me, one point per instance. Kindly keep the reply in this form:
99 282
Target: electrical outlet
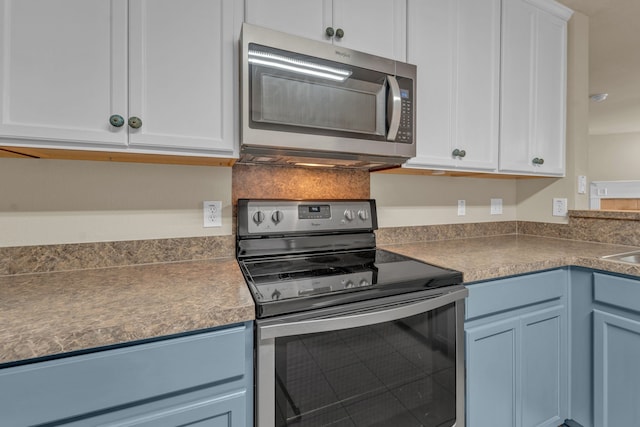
212 212
559 207
462 208
496 206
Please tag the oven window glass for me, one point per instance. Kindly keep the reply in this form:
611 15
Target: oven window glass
400 373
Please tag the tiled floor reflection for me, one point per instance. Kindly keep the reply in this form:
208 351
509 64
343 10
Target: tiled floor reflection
382 376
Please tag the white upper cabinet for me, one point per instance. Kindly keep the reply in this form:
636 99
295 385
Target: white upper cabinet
491 85
83 75
533 94
373 26
183 69
456 47
63 65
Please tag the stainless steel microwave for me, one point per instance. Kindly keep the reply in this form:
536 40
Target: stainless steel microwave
306 102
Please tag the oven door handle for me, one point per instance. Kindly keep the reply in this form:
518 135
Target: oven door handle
386 313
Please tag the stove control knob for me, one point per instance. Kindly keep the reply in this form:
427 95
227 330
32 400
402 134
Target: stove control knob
349 215
349 284
277 216
364 282
258 217
363 214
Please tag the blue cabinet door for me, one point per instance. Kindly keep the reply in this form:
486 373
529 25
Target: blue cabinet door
202 379
492 363
517 351
616 373
516 371
544 381
222 411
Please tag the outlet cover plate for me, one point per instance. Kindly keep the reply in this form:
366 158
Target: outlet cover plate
462 208
496 206
559 206
212 213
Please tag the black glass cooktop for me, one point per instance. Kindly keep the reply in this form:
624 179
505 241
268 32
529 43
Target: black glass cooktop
292 284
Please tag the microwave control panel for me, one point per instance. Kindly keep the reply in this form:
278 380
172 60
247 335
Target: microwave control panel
405 130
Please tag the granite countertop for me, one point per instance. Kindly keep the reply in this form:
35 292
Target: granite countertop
484 258
50 313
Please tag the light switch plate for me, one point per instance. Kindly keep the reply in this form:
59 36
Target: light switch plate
212 212
582 184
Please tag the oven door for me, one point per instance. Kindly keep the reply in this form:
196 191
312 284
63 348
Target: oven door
396 362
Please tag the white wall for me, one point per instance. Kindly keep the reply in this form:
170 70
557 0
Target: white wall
614 157
62 201
406 200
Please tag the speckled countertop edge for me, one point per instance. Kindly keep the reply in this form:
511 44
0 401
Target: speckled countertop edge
484 258
52 313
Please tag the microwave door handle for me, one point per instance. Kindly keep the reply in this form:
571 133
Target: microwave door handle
365 318
394 108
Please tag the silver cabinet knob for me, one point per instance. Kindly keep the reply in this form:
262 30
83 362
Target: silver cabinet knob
116 120
135 122
459 153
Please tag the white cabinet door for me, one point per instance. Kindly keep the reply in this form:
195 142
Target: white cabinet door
373 26
456 46
63 69
533 97
183 68
304 18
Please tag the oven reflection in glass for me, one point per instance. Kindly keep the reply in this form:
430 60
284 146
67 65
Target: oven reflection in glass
399 373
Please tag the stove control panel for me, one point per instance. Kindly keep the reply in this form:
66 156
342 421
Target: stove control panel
287 216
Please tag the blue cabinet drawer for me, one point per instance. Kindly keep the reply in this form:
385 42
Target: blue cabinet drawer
508 294
74 386
618 291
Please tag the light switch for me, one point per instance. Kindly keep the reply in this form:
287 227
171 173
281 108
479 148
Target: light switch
582 184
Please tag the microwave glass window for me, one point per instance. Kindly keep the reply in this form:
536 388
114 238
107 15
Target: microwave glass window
295 93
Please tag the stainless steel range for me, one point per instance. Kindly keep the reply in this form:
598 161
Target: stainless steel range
348 334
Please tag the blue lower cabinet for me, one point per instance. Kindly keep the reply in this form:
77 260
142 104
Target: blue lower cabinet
199 379
228 410
616 351
616 373
492 353
517 351
545 367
